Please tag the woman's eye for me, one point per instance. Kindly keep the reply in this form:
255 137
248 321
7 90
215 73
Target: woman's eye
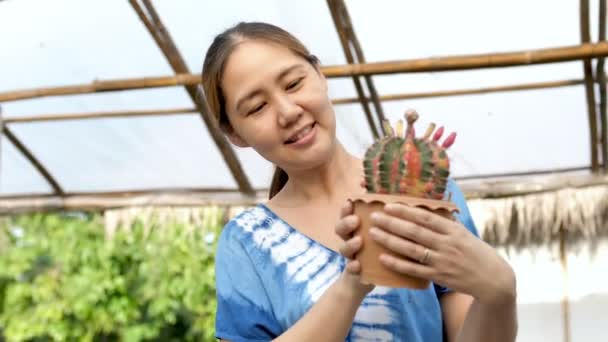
294 84
256 109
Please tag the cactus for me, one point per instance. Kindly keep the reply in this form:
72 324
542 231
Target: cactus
406 165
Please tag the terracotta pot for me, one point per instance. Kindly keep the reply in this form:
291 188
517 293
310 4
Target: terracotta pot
372 271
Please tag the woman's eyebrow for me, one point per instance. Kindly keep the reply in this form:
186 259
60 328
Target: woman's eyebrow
287 70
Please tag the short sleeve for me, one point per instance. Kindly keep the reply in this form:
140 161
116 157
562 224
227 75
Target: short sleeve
463 216
243 312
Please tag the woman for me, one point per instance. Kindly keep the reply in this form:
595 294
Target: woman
284 269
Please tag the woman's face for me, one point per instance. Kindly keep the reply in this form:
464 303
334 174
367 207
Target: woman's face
277 103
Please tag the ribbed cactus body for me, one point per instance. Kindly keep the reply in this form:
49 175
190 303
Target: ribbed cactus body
397 164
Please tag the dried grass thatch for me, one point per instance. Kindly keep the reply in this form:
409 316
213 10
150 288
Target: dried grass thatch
537 219
189 218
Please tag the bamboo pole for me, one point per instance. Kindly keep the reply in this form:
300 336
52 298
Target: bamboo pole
339 101
496 60
349 58
100 115
485 90
162 37
466 62
98 86
13 204
525 173
33 160
347 24
600 75
589 91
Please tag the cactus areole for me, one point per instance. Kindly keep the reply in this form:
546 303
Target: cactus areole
401 164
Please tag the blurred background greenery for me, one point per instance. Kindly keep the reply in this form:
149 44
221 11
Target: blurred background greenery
66 276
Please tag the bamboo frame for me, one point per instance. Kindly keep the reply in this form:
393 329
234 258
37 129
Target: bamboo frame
347 24
349 58
589 91
455 92
100 115
464 62
33 160
164 41
339 101
600 75
12 204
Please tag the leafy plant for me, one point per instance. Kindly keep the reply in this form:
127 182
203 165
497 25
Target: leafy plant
62 279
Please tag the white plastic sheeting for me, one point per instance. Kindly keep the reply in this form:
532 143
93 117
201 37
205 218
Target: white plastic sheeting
62 42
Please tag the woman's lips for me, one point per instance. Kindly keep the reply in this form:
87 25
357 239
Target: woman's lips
304 137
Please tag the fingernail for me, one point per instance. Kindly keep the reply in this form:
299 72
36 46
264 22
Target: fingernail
375 216
389 206
373 232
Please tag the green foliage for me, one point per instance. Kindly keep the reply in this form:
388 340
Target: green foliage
61 279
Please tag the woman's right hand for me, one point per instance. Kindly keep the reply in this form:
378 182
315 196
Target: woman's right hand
345 228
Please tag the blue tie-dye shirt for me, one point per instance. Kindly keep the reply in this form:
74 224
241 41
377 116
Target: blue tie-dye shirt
268 275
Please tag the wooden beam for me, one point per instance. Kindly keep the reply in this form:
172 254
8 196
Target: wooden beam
600 75
466 62
100 115
339 101
589 91
162 37
373 126
33 160
14 204
11 205
354 41
486 90
524 173
99 86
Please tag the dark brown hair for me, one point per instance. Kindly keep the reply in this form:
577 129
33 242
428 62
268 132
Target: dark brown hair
215 61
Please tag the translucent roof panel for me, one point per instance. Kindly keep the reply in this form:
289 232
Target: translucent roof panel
115 154
66 42
18 176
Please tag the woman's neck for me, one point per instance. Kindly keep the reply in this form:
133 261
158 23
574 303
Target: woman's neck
330 182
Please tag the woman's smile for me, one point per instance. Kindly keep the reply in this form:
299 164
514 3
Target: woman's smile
303 137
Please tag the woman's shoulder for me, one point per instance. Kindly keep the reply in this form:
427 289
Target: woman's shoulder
243 225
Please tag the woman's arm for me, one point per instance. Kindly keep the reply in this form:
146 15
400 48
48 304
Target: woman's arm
331 318
339 304
467 319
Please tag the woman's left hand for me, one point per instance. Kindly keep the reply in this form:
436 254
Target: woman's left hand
442 250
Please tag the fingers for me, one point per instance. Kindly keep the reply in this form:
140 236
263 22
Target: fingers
408 267
351 247
419 216
406 229
353 266
346 226
397 245
347 209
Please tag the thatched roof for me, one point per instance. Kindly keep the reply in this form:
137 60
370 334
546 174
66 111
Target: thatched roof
570 213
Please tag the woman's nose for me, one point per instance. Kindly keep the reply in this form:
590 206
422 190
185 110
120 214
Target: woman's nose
288 111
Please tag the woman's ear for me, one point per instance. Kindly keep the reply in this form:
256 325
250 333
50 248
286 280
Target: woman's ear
236 139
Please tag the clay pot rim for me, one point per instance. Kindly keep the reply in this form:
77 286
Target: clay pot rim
427 203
